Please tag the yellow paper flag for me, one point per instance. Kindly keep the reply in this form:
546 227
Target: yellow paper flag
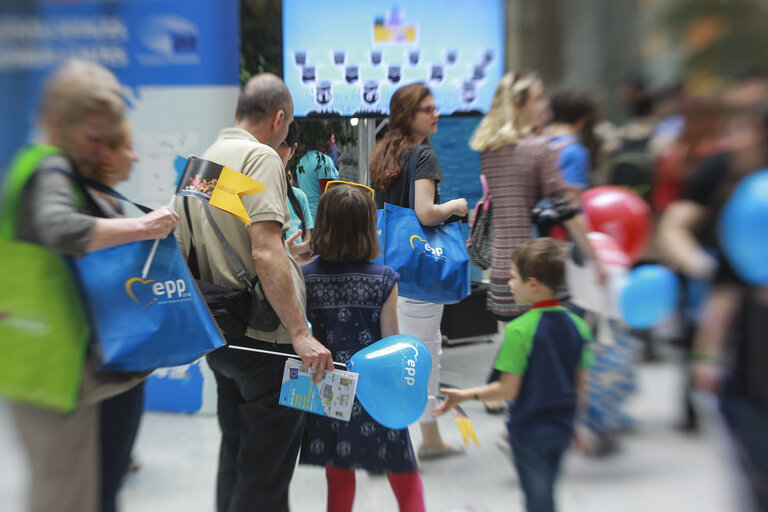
467 431
230 187
465 426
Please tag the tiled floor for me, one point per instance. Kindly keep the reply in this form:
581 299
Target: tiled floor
657 469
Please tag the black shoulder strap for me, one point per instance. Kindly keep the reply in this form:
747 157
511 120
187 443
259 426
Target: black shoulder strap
194 267
410 168
104 189
237 265
85 182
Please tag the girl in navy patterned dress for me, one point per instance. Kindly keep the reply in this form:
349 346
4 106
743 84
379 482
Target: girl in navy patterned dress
352 303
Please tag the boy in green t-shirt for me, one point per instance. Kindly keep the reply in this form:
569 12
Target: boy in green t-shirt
541 363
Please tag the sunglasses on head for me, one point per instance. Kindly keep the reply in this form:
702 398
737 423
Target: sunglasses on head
342 182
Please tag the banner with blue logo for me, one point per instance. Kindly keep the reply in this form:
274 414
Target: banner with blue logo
145 323
432 260
178 61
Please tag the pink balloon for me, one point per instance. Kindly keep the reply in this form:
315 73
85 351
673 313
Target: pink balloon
620 213
608 250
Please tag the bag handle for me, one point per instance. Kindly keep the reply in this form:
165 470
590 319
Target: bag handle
22 168
101 187
194 268
411 170
486 190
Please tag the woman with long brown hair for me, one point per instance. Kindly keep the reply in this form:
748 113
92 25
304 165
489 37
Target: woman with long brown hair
413 118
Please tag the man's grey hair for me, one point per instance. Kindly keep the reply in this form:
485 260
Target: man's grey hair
262 96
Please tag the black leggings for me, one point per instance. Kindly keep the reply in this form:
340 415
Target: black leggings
120 416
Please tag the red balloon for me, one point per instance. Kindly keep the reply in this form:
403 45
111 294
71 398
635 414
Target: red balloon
621 214
559 233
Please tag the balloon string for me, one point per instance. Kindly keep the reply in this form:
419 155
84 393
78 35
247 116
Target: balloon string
294 356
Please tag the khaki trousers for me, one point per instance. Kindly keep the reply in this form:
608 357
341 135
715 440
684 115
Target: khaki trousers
63 448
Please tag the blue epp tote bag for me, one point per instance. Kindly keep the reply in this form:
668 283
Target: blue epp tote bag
145 323
432 261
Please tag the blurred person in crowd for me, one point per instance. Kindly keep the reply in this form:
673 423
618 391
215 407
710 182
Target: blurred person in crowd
570 113
541 365
591 139
687 228
302 221
333 152
699 139
259 438
669 101
82 116
630 160
120 415
521 168
413 118
315 169
730 354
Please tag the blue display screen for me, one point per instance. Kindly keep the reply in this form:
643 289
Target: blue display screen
348 57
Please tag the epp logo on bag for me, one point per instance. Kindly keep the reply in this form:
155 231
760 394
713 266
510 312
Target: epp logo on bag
161 292
421 246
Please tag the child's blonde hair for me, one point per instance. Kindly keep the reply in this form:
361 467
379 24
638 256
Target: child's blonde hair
502 125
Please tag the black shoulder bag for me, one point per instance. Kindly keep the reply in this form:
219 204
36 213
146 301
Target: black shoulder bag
233 310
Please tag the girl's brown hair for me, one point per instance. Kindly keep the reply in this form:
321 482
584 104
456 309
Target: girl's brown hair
345 227
390 152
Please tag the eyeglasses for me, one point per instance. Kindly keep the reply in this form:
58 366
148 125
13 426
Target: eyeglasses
283 144
430 110
341 182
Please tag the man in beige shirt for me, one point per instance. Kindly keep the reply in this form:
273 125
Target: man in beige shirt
260 439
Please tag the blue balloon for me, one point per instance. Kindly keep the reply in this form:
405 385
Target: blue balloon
744 228
394 374
649 296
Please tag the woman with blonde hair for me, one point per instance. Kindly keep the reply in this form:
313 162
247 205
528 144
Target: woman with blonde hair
521 167
413 118
82 110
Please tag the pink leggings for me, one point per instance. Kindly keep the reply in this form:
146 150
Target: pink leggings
407 487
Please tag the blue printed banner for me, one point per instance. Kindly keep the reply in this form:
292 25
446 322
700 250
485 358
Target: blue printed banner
179 61
350 61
